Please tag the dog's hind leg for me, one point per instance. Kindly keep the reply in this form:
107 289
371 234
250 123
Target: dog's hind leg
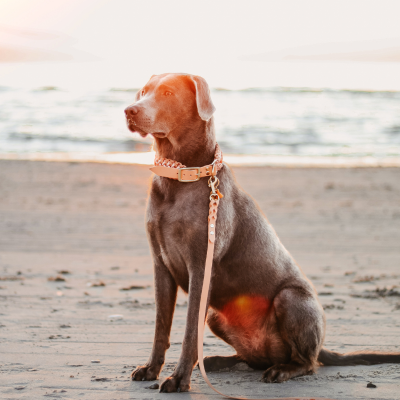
301 325
215 363
166 292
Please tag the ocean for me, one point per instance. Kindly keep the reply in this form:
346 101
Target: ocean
274 120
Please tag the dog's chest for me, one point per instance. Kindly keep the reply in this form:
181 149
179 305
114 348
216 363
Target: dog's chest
177 229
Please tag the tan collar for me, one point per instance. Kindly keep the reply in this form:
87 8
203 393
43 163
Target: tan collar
175 170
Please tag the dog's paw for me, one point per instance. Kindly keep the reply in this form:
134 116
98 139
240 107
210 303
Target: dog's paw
282 372
277 373
174 384
145 373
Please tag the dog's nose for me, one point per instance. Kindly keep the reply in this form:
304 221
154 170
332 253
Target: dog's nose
131 111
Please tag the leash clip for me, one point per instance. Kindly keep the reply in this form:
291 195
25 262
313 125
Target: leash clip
213 183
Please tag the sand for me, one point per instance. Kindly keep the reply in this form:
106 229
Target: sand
341 225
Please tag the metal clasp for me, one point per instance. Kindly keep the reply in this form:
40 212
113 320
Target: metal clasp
189 180
213 183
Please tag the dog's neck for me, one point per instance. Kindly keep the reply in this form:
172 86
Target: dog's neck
194 150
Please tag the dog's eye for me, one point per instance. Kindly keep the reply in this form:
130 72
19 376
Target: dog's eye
168 94
142 92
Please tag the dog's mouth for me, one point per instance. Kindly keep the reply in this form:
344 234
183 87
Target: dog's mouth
139 131
134 128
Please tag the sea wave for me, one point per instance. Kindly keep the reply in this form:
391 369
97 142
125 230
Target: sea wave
124 90
279 89
276 120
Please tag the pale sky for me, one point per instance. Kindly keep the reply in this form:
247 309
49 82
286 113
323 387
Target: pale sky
169 29
184 35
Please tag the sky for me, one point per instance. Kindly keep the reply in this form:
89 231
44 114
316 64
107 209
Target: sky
209 38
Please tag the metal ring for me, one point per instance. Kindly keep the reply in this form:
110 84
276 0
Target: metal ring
213 166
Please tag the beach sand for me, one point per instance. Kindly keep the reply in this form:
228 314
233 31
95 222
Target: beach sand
341 225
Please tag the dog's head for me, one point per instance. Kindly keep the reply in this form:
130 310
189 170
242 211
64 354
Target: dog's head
167 102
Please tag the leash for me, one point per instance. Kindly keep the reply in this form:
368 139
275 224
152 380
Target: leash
174 170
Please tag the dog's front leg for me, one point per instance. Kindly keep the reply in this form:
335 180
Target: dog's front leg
179 381
165 291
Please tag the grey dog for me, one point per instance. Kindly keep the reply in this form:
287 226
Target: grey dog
260 302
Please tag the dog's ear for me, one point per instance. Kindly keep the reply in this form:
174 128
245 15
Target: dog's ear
205 106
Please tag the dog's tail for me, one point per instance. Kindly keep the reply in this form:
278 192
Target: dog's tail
327 357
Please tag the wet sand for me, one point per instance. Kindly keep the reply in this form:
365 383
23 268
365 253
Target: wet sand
342 225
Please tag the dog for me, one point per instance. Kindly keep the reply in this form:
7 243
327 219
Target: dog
260 302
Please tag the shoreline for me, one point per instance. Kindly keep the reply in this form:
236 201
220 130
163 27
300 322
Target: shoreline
237 160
